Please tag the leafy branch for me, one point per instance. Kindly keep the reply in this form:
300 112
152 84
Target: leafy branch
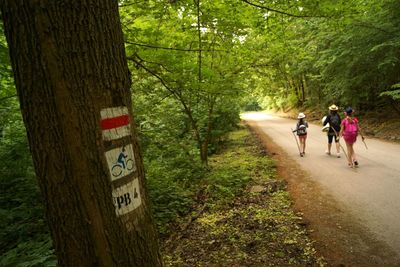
281 12
7 97
170 48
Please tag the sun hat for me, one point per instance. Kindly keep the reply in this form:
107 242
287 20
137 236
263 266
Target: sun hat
333 107
301 116
349 110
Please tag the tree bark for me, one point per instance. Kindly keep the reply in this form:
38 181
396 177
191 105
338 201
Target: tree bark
70 68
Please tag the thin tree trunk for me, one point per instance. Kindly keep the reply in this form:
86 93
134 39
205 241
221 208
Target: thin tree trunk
200 44
207 138
70 72
303 93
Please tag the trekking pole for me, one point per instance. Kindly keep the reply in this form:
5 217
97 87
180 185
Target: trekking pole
362 139
337 136
297 142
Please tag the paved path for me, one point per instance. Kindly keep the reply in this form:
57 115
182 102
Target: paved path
371 192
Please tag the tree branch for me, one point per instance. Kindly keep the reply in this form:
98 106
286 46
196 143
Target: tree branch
370 26
130 4
7 97
134 59
170 48
281 12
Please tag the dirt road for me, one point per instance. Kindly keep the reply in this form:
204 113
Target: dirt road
370 193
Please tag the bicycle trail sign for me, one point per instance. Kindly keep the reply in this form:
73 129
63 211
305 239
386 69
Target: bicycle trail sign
127 197
121 161
115 123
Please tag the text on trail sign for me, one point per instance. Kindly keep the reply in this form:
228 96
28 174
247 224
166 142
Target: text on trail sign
127 197
115 123
120 161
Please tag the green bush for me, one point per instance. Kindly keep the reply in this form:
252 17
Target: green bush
25 238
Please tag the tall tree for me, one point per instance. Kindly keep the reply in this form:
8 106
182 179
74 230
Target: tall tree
191 49
73 85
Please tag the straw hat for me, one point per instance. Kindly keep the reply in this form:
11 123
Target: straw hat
301 116
333 107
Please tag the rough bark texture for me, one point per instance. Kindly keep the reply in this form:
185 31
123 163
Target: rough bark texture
69 63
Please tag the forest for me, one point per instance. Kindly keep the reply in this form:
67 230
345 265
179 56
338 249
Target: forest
195 66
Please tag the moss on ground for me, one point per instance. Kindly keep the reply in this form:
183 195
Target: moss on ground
245 217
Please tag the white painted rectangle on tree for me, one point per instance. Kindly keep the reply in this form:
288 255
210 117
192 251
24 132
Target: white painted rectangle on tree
120 161
127 197
115 123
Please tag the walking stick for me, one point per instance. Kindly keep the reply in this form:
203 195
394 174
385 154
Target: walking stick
344 151
362 139
297 142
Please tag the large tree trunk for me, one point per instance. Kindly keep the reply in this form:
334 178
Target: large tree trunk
71 75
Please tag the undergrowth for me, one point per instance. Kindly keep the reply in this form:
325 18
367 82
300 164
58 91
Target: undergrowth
24 236
228 225
241 226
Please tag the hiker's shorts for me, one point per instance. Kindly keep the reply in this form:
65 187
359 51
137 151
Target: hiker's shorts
303 137
330 138
350 138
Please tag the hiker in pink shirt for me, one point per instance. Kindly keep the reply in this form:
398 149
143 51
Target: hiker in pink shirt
350 129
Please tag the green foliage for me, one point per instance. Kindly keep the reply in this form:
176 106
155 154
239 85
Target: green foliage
251 104
190 58
394 94
25 239
32 253
349 57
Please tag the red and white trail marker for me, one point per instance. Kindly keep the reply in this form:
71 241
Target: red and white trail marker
115 123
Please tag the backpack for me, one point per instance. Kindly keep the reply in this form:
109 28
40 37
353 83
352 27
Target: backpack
351 127
301 128
335 122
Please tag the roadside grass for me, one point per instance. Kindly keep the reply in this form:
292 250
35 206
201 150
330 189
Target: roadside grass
243 216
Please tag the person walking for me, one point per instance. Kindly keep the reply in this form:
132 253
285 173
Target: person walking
334 121
301 129
349 131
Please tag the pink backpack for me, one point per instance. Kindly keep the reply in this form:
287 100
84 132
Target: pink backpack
350 128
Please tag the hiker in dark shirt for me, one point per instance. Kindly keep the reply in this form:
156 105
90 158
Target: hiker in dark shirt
334 121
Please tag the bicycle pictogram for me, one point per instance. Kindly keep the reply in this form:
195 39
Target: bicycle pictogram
123 163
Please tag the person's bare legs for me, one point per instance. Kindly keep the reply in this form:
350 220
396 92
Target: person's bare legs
349 154
353 153
329 149
302 145
338 149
